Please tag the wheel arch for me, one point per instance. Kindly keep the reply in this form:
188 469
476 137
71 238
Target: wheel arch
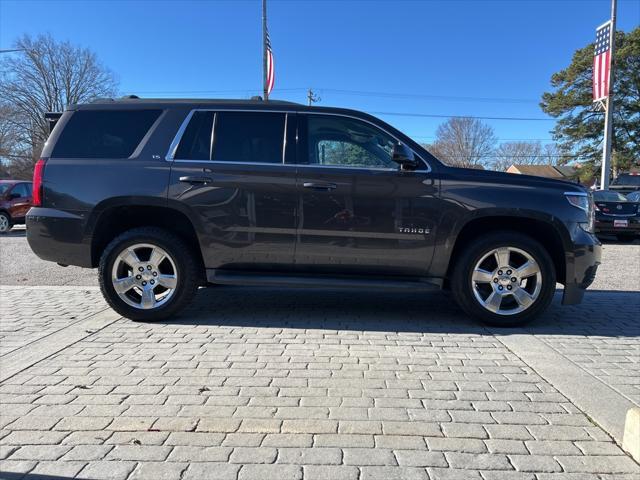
116 218
551 236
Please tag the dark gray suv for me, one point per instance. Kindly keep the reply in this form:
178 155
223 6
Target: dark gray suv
164 196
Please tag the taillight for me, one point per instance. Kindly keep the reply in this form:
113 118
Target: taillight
38 171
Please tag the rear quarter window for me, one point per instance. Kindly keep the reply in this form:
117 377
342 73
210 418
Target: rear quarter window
104 133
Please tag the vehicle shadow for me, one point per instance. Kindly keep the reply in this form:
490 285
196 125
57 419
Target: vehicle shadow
15 232
603 312
30 476
613 240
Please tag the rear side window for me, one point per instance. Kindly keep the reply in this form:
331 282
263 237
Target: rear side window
196 139
249 137
255 137
104 133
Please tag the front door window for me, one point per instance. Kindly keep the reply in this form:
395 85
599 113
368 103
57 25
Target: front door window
345 142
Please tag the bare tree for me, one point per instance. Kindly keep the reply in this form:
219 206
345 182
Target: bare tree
527 153
464 142
518 153
46 76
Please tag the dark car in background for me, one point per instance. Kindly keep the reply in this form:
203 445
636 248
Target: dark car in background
616 215
164 196
15 202
626 183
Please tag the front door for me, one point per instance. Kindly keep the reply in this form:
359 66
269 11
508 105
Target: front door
20 200
229 170
360 213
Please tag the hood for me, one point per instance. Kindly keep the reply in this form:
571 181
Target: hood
505 178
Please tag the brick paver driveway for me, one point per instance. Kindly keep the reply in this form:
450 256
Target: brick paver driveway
279 384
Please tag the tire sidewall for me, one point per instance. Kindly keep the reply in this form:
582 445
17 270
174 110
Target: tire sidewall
9 224
106 267
462 284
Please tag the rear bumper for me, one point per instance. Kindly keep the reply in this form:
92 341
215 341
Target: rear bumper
606 225
58 236
582 262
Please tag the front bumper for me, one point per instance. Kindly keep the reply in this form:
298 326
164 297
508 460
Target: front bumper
58 236
581 264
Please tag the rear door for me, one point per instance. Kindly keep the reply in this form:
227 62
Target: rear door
229 170
360 213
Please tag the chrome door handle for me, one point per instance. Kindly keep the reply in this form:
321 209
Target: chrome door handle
321 187
196 180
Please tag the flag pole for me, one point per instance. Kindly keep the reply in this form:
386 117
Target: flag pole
608 119
264 50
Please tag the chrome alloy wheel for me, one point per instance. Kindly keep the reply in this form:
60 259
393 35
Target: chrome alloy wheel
144 276
4 223
506 281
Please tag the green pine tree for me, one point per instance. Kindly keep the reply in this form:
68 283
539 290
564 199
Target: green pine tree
580 129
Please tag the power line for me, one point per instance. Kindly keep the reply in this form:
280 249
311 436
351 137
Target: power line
427 97
431 115
433 137
403 114
541 156
247 91
359 93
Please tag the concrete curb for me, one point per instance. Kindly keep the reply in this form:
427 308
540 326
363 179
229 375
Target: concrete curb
18 360
604 405
631 439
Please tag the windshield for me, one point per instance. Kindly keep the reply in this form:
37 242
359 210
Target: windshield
4 187
627 179
609 196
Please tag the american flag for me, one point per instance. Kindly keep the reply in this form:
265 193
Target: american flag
271 75
602 62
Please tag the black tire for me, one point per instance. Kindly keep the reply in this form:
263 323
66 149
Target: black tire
5 218
463 288
188 272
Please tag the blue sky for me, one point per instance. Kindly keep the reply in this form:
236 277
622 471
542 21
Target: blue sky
465 57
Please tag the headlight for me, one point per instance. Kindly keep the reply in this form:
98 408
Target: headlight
584 202
579 199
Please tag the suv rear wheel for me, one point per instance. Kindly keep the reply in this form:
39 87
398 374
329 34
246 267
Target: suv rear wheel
5 222
504 279
148 274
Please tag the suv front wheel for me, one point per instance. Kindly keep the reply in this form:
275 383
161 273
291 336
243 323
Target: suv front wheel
148 274
504 279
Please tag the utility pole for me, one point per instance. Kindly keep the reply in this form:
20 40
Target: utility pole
312 97
608 119
264 50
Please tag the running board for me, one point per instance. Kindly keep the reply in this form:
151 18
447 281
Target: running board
233 277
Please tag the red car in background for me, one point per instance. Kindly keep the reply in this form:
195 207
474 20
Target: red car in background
15 202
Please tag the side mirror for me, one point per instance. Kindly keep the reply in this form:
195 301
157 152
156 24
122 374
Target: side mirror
13 196
404 156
